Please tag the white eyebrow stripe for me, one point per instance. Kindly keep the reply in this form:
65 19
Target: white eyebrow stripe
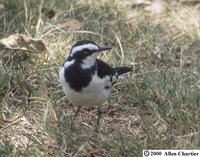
81 47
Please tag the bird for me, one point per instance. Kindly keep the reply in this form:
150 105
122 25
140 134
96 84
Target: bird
86 80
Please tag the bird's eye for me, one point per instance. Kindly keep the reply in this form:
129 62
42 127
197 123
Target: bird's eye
86 52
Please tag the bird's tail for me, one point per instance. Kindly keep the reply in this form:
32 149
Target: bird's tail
122 70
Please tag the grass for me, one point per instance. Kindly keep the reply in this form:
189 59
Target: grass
157 107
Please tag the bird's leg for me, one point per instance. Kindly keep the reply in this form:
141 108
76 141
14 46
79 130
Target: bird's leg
76 113
100 111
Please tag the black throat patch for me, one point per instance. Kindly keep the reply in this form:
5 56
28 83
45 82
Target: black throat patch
78 78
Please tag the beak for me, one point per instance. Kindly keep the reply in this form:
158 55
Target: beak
103 49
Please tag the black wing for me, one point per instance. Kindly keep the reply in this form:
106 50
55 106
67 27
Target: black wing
122 70
104 69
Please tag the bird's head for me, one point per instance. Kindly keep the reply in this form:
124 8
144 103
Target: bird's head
86 52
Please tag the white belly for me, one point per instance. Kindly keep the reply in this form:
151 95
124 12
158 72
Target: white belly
93 95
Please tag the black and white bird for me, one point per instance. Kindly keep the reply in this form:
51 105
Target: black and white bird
86 80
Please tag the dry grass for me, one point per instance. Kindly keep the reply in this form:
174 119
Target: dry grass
157 107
